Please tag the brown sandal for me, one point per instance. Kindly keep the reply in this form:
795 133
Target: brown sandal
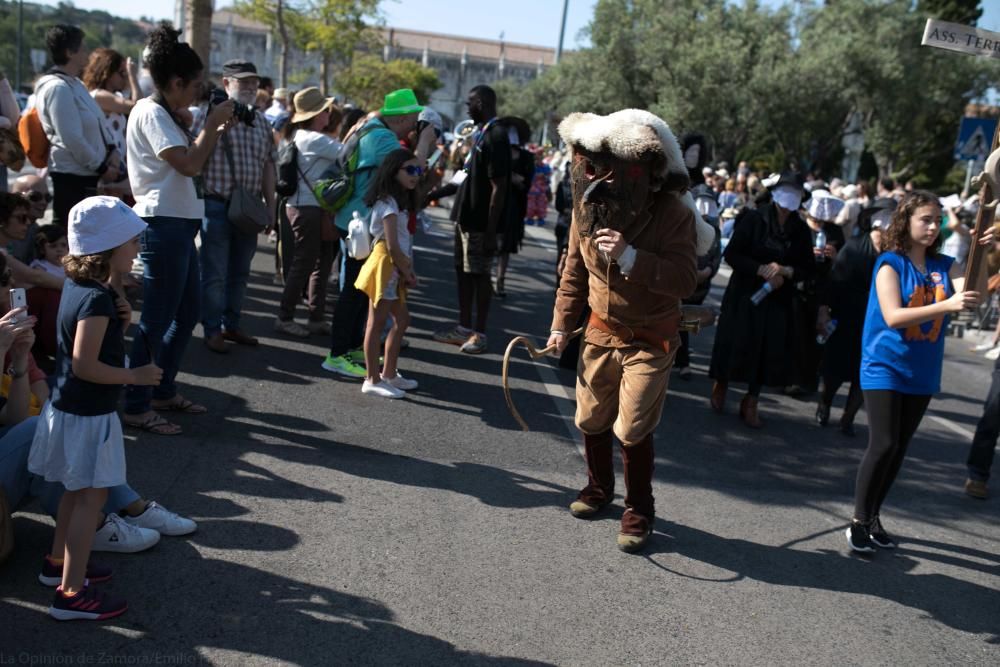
180 404
156 425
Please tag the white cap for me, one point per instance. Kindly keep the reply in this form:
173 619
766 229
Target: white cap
101 223
824 206
850 191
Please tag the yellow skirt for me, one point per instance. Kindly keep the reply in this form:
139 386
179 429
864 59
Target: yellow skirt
378 277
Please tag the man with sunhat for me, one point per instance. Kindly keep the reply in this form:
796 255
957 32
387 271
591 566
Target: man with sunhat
244 158
378 137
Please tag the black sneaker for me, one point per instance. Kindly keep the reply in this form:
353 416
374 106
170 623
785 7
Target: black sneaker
51 574
878 535
86 605
858 538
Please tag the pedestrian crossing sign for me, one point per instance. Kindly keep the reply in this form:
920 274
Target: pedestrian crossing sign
975 138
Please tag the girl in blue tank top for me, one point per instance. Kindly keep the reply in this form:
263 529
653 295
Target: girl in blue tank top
914 291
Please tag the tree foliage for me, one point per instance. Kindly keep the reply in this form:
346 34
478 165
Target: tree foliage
368 79
773 85
100 27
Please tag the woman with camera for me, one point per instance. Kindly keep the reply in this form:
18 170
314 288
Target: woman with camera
164 167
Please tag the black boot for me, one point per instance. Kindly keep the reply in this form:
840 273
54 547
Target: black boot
600 489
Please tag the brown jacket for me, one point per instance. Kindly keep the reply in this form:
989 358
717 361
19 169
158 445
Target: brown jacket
665 271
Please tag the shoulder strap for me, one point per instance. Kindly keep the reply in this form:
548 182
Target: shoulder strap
227 148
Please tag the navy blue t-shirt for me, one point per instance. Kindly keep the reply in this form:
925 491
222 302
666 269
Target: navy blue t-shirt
71 394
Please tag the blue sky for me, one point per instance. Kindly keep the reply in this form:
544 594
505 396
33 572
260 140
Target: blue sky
527 21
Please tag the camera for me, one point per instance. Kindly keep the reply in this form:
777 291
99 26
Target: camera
242 112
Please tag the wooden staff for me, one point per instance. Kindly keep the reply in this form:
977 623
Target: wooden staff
984 220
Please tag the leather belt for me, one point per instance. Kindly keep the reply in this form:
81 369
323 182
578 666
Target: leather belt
658 336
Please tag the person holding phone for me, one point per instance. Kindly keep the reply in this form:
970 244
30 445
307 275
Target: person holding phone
164 166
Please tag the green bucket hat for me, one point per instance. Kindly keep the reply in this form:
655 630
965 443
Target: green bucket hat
400 102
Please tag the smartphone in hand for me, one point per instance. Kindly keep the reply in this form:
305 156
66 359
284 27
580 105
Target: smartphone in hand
18 299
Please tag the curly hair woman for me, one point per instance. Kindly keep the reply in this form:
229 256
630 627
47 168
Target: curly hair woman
164 163
914 292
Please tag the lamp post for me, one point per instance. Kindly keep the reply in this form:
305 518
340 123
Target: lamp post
562 31
17 57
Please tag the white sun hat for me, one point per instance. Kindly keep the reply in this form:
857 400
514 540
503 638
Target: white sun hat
101 223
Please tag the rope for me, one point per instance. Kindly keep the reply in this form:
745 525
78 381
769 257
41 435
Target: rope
535 354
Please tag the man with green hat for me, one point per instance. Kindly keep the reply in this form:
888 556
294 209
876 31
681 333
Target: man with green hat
379 136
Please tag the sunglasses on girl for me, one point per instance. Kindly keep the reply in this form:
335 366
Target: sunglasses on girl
413 170
34 196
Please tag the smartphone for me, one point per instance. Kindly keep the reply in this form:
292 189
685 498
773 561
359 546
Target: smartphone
18 299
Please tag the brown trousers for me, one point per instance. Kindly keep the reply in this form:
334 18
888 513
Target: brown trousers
621 389
311 263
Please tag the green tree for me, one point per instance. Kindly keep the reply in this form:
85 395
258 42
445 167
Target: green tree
335 29
956 11
368 79
284 18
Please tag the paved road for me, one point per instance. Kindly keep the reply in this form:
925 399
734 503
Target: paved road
340 529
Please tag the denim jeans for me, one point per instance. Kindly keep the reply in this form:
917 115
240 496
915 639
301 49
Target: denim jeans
984 443
171 293
225 256
19 485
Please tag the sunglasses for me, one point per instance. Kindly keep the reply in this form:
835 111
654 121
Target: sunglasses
34 196
413 170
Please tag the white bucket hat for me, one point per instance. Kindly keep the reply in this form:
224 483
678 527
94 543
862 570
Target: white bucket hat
824 206
101 223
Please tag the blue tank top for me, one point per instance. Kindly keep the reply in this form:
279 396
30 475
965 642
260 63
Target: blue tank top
906 360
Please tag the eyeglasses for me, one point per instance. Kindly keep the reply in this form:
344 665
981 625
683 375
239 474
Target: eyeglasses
35 196
413 170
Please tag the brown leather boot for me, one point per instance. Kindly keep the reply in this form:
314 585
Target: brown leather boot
637 522
600 489
718 399
748 412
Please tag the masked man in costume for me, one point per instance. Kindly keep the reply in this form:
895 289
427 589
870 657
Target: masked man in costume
634 240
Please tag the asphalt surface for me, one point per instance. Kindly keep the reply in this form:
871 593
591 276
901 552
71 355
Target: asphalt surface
336 528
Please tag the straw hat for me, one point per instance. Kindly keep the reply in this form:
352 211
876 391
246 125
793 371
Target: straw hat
309 103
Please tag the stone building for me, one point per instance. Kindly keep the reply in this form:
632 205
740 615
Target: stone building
460 62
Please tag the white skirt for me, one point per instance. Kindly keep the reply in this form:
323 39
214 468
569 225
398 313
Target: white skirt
78 452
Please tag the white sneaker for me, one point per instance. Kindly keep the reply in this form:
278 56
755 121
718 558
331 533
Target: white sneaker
118 536
159 518
982 347
993 354
400 382
383 389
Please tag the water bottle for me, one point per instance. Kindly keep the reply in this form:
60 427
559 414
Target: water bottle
760 294
828 330
821 246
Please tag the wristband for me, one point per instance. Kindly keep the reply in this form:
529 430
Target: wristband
558 331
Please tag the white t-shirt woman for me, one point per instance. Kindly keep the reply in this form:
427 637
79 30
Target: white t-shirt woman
158 188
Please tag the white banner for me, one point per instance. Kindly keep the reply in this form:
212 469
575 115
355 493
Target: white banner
961 38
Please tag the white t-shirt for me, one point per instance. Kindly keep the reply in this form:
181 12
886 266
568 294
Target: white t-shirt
48 267
387 207
158 188
317 153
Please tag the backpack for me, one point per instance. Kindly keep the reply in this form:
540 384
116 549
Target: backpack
336 186
31 133
288 170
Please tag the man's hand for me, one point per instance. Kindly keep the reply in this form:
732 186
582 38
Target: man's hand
610 242
559 340
777 280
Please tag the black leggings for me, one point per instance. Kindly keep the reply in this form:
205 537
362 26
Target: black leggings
893 418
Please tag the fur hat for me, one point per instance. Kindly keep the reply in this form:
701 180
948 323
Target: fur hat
631 135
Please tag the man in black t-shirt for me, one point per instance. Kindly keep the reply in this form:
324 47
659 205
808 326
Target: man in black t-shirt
478 212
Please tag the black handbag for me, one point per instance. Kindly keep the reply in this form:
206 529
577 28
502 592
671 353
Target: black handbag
246 210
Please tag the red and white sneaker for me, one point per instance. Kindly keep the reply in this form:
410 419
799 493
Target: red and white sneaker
86 605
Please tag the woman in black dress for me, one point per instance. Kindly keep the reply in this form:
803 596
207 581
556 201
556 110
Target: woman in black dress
822 210
770 246
845 300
